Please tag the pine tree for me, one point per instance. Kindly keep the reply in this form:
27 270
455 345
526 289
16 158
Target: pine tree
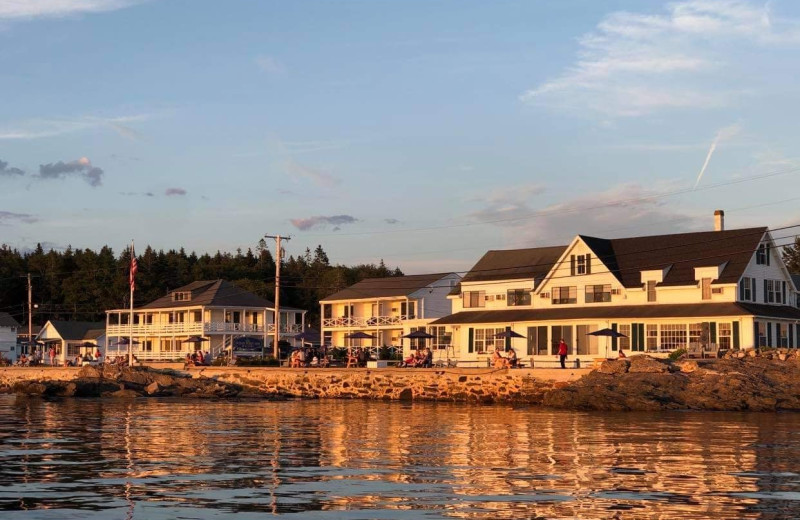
791 256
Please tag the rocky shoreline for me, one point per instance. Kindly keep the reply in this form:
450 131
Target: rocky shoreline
754 381
762 382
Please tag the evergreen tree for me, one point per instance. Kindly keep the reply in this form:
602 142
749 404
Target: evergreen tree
791 256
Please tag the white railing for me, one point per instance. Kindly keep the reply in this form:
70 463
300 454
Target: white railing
218 326
144 355
154 329
294 328
364 321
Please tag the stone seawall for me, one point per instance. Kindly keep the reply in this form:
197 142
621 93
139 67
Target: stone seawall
465 385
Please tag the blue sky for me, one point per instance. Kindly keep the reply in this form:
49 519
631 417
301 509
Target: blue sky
420 132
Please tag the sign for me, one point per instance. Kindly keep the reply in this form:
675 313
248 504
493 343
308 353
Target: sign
248 344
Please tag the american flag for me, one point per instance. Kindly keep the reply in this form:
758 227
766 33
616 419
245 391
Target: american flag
134 268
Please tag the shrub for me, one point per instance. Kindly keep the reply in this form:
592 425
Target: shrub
267 361
677 354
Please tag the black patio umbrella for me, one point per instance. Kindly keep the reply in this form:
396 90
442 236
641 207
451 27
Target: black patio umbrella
609 333
359 335
126 341
419 334
508 333
195 339
309 336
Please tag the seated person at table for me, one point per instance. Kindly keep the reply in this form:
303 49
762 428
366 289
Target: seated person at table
498 361
511 358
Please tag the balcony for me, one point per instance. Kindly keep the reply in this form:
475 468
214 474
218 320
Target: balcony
192 329
366 322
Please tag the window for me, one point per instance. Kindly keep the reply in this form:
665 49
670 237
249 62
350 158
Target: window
783 335
183 296
598 293
651 290
147 345
580 264
327 338
724 334
651 337
327 311
762 255
559 332
485 342
673 336
408 309
441 339
585 344
624 343
761 334
746 286
562 295
537 341
772 291
705 286
472 299
516 297
197 316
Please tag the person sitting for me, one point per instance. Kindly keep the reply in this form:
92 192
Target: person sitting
410 361
511 358
427 358
498 361
314 362
621 354
23 361
189 360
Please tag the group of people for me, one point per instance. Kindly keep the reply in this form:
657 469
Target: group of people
198 358
308 357
510 360
422 358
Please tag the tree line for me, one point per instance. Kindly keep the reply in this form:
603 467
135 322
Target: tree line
81 284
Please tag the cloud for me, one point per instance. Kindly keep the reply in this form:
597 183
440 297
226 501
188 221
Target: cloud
175 192
723 134
8 217
304 224
137 193
6 171
635 64
622 210
41 128
318 177
391 221
82 167
16 9
271 66
506 203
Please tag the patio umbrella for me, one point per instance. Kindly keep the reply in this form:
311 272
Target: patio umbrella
126 341
508 334
609 333
309 336
419 334
361 335
195 339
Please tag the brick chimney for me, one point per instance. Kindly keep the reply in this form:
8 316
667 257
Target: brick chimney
719 220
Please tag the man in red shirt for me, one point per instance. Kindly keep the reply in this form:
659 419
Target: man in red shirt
562 352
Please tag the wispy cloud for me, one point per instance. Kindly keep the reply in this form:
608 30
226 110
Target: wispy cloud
137 193
722 134
391 221
271 66
83 167
41 128
21 9
8 217
175 192
507 203
634 64
7 171
317 176
304 224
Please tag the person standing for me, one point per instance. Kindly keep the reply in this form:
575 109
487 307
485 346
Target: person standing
52 354
562 352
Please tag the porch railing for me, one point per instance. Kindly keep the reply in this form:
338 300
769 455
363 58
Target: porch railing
190 329
366 321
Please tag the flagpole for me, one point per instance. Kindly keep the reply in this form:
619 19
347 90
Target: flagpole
130 319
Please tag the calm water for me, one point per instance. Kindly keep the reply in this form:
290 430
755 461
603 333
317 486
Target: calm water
164 459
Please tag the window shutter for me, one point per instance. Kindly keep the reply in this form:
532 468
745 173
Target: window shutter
641 337
778 335
753 288
572 265
471 341
741 288
614 338
766 252
765 291
712 331
635 336
588 263
735 334
791 335
769 334
783 293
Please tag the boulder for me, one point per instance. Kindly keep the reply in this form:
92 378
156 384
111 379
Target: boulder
614 366
647 365
687 366
152 389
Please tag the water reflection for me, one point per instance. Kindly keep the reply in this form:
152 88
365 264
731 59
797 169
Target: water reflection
151 459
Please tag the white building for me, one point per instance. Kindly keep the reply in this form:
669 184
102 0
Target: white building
71 338
717 290
8 337
214 309
386 308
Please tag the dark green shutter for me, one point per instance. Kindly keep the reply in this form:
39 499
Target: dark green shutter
572 265
588 263
614 338
735 334
471 341
741 289
753 286
641 337
769 334
508 340
712 331
765 292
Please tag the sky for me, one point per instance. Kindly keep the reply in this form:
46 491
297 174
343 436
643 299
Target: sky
418 132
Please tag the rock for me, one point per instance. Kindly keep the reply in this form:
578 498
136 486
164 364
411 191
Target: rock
152 389
125 394
688 366
752 353
406 395
614 366
646 365
741 354
783 357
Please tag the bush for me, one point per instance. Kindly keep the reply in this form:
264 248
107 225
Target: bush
677 354
266 361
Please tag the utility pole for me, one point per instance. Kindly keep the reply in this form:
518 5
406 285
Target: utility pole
278 257
30 316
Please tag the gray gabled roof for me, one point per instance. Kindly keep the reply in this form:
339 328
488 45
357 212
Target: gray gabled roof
533 263
393 286
6 320
78 330
214 293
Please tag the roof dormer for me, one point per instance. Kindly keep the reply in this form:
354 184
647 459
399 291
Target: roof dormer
655 275
182 296
713 271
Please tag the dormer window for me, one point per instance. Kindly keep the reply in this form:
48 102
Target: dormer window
182 296
580 264
762 254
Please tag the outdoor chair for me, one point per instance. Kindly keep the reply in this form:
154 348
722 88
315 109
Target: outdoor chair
695 350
